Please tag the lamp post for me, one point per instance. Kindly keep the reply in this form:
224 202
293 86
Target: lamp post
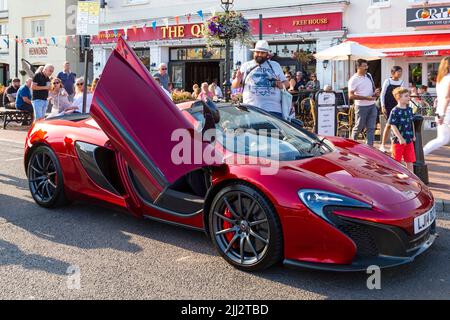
226 5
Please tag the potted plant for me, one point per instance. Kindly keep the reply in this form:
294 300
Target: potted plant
231 25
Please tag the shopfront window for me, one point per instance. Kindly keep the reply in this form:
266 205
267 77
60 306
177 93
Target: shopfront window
143 55
177 76
415 74
295 56
197 53
432 74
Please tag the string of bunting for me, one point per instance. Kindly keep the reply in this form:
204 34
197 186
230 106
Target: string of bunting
73 40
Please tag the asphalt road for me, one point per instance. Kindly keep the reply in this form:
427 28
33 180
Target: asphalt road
120 257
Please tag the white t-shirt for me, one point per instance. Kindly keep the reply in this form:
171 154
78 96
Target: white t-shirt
78 102
441 90
258 90
362 86
218 92
389 82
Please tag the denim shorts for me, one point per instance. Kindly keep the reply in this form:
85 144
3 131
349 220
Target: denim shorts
40 107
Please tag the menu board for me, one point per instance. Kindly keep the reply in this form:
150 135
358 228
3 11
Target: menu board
88 18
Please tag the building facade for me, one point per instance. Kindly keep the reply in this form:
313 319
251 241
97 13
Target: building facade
289 26
49 21
413 34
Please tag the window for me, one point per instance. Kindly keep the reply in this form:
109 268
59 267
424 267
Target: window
3 5
38 28
415 74
144 56
134 2
432 74
197 54
3 29
381 3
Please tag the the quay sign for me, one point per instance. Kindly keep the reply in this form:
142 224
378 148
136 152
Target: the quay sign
177 32
428 17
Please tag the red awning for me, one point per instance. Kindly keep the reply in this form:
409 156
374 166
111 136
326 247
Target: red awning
408 45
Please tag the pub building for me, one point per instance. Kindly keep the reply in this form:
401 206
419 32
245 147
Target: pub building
183 48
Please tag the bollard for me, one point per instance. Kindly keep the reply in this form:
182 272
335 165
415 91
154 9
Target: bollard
420 167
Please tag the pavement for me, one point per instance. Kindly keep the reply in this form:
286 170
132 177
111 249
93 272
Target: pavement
439 174
83 251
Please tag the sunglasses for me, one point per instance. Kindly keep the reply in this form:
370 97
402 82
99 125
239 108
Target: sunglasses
80 84
56 82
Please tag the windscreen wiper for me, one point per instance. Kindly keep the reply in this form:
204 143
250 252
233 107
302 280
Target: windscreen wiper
316 144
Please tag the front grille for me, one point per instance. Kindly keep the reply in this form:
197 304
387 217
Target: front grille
372 239
365 242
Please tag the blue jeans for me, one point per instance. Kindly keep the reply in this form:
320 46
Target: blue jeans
365 118
25 107
40 107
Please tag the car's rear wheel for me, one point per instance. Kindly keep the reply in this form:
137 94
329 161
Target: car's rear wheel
45 178
245 228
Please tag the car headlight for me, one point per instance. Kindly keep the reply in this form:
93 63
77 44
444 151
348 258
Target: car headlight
317 200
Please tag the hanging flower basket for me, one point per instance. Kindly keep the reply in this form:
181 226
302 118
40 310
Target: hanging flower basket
224 26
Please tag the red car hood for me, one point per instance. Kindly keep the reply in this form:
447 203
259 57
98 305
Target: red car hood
371 181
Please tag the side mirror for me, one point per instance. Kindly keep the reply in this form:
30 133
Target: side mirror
211 114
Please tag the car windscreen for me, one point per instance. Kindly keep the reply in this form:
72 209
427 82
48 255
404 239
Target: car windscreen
249 131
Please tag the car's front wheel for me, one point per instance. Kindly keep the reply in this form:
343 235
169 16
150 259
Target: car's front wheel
45 178
245 228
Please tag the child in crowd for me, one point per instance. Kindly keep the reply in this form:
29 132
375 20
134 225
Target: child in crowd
401 121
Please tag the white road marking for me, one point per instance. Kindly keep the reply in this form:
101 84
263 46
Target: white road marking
13 141
14 159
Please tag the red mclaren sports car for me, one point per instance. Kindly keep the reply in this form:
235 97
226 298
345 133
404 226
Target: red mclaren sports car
331 204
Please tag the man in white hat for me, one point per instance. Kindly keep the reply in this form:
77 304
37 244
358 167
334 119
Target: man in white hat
262 80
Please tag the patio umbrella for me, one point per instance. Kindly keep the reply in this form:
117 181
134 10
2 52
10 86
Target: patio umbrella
350 51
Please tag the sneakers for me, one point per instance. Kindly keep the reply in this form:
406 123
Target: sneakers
383 149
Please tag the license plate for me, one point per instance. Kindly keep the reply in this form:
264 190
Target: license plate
424 221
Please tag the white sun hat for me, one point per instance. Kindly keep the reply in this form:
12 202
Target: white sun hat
261 46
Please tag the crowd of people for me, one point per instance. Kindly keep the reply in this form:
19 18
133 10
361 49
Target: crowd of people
398 104
63 94
260 82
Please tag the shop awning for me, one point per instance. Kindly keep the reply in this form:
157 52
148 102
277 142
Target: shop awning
408 45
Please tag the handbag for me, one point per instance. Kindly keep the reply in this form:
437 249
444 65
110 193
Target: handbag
287 109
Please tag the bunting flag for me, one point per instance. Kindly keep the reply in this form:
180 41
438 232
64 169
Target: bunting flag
55 40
